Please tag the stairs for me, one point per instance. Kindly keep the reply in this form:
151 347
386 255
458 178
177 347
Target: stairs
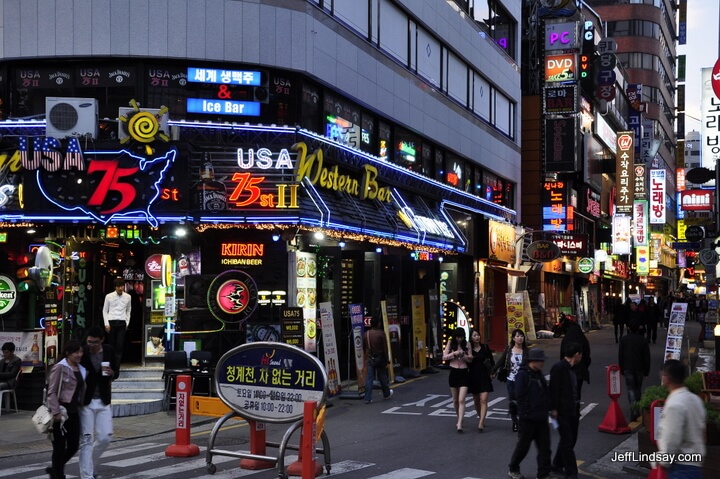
138 391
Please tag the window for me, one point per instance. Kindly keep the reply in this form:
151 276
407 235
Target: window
504 114
497 22
429 55
355 14
394 31
457 83
481 96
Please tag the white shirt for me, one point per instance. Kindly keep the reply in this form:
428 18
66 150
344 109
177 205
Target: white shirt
117 307
681 427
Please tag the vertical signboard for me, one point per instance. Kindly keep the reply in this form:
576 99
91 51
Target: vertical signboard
419 331
330 349
639 190
640 223
621 235
358 330
642 260
560 145
657 197
303 283
710 124
624 159
554 205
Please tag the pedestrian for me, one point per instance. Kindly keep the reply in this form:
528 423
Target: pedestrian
459 356
634 362
565 409
514 356
575 334
533 400
635 317
96 415
9 366
681 429
65 392
652 318
116 314
376 344
480 381
702 309
620 319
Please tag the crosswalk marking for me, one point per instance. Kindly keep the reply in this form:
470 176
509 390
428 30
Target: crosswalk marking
186 465
405 473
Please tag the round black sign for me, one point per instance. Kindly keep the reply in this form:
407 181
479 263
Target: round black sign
543 251
694 233
699 175
232 296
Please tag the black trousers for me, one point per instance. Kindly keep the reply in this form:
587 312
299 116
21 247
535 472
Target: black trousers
116 337
66 441
529 431
565 454
621 327
652 331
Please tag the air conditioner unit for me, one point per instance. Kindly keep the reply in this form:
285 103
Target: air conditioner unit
127 113
71 117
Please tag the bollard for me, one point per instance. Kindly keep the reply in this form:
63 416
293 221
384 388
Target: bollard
182 446
614 421
257 447
306 465
656 407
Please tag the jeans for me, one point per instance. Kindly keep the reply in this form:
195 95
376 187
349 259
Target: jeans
382 376
97 430
684 471
512 403
633 384
565 454
66 440
529 431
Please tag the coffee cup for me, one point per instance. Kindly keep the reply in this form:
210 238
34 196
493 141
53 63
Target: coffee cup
105 366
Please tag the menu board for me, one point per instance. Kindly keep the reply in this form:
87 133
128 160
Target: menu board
303 275
676 328
291 326
515 306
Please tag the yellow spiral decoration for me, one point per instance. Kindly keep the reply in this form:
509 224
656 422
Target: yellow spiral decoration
143 126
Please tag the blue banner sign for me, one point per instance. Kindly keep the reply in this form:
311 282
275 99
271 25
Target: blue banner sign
224 77
223 107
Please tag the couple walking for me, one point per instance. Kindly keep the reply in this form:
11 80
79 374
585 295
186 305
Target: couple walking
78 395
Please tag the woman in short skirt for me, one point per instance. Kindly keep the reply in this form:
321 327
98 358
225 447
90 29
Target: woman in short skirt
480 381
459 356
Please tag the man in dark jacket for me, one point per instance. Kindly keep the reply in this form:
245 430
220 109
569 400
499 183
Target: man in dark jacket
636 317
533 400
575 334
634 362
564 408
652 318
96 416
9 366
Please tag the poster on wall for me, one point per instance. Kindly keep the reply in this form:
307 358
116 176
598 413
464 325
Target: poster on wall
621 234
303 287
28 346
419 331
330 350
528 316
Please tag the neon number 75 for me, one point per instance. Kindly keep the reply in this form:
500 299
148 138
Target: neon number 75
246 184
110 181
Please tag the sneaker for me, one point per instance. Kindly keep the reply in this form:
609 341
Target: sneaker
368 402
515 475
390 395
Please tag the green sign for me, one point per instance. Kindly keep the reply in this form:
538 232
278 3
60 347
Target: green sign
8 294
585 265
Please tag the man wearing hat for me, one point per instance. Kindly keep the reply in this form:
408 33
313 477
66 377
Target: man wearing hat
533 401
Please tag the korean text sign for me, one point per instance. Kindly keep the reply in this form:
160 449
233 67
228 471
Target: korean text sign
269 382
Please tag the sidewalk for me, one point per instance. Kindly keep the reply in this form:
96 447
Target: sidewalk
20 437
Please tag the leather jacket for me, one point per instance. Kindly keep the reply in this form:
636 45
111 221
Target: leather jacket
63 380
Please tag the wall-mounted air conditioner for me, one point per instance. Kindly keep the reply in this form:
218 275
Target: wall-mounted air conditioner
126 114
71 117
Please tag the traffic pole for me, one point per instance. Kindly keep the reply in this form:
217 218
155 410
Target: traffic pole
257 447
182 446
614 421
306 465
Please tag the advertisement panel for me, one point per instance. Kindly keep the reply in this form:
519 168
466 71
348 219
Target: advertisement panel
624 159
560 36
642 260
640 223
621 235
696 200
657 197
330 349
710 124
561 145
560 99
554 206
560 68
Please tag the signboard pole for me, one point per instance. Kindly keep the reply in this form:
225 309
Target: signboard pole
182 446
306 465
614 421
257 447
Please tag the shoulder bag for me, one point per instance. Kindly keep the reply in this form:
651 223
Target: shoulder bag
43 418
503 370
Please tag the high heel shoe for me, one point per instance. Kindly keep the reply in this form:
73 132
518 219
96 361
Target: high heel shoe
459 429
49 471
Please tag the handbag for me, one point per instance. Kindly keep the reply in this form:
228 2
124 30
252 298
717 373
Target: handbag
42 419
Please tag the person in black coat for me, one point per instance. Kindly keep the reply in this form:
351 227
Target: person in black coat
564 407
620 318
652 318
9 366
636 317
102 367
634 362
533 400
575 334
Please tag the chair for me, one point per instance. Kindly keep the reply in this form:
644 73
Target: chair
710 391
200 363
176 363
5 394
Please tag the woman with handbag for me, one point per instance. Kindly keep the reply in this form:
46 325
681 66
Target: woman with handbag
65 391
459 356
480 381
514 356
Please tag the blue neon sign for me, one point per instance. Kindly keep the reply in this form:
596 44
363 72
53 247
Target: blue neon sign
223 107
223 77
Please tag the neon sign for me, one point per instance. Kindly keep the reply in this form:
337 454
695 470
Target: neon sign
247 254
223 107
227 77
